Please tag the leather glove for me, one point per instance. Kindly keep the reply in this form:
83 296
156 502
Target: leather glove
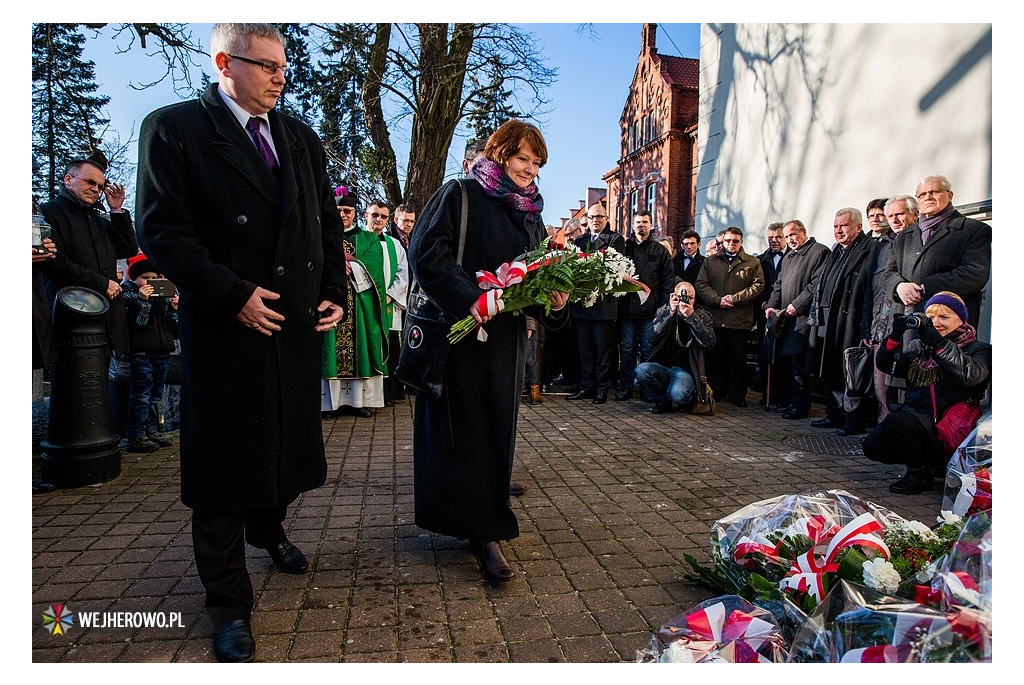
930 336
899 327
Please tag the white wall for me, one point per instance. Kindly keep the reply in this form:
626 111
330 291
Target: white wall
800 120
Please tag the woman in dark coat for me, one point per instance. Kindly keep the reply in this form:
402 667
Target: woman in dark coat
464 442
948 355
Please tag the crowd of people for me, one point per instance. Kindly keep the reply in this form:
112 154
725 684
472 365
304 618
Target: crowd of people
279 290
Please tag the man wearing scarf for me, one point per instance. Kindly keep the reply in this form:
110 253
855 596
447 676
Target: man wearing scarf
355 353
943 251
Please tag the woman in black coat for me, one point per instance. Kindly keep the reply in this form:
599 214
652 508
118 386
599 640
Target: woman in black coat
947 355
464 442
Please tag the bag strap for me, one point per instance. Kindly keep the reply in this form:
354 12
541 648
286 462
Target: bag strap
935 406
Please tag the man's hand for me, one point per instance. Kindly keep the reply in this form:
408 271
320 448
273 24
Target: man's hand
115 196
791 310
258 316
726 302
332 314
113 289
910 293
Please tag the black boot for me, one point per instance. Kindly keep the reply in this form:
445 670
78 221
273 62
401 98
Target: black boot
917 479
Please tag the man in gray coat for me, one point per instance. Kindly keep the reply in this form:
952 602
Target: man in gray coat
236 208
791 298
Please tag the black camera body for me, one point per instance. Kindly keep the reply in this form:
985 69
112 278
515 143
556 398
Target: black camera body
684 296
913 321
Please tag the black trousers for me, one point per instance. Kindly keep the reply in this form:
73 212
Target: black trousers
905 437
218 540
727 368
394 390
596 348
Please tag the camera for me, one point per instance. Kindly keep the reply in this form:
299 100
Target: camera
913 321
684 296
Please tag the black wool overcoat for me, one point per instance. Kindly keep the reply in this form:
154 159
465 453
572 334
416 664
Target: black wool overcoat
464 442
219 222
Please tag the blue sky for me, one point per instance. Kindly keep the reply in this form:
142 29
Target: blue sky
595 68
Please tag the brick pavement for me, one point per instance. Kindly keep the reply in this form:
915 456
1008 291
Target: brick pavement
615 496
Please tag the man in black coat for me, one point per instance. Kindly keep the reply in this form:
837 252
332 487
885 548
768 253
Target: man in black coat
595 325
636 319
944 250
835 320
89 242
236 209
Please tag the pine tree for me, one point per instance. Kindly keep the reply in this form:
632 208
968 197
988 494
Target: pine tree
67 120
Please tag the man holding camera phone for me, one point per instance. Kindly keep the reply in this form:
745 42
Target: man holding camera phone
668 378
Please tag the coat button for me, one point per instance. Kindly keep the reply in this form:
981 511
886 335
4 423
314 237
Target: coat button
242 219
279 270
309 266
311 311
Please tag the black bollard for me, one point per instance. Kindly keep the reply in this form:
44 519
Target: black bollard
81 446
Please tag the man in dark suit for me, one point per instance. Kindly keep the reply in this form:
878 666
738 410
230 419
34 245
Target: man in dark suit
771 264
944 250
835 320
688 260
595 325
236 208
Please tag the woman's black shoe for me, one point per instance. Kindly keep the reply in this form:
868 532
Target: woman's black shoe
493 566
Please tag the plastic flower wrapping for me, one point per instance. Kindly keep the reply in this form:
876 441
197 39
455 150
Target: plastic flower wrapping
855 624
968 486
727 629
531 278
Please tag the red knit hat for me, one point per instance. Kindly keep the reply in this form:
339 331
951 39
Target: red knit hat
140 264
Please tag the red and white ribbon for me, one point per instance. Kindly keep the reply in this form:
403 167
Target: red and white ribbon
508 274
807 574
712 624
875 654
810 526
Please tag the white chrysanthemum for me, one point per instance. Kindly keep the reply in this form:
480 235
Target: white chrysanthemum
918 528
881 575
948 518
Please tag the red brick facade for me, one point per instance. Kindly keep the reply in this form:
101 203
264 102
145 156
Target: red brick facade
657 164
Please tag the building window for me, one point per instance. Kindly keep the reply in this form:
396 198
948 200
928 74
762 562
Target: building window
651 193
634 197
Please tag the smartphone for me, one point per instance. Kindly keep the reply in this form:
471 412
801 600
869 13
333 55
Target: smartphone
162 287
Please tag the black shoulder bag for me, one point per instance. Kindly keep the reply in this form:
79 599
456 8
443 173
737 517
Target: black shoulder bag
424 354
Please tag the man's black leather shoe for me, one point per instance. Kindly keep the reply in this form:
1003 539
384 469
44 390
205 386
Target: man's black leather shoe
784 408
288 557
913 482
581 395
601 398
824 423
738 403
795 415
623 395
233 643
516 489
849 429
661 408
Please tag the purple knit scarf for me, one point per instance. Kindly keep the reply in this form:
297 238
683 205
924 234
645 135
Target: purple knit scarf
498 184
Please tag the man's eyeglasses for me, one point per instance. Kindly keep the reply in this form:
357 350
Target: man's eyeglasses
595 217
100 185
731 240
346 210
268 67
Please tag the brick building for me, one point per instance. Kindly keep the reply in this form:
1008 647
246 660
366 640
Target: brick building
658 150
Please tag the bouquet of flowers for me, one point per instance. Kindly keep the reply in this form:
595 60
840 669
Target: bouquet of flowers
968 487
855 624
726 629
793 546
553 267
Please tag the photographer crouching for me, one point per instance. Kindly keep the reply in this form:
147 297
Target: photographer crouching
947 370
681 334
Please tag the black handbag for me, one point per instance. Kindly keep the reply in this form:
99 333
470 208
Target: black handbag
859 367
703 401
421 363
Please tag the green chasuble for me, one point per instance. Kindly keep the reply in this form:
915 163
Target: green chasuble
358 347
